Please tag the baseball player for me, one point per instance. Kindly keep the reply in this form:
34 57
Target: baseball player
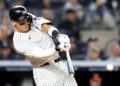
33 38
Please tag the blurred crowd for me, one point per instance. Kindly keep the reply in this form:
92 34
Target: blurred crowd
70 17
95 80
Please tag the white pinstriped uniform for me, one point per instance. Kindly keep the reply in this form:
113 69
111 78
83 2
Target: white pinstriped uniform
38 46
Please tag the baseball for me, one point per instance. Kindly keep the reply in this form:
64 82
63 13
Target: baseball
110 67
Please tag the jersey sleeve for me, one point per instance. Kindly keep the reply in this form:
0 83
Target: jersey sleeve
38 21
28 48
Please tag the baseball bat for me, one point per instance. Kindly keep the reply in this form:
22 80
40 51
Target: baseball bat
69 63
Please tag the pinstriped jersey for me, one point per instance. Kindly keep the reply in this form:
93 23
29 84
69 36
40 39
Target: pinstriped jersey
34 43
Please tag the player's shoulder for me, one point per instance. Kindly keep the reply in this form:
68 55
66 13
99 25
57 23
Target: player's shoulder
35 20
33 16
38 21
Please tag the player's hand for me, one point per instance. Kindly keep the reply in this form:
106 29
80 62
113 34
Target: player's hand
63 38
62 46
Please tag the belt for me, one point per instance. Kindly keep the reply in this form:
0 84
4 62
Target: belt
47 63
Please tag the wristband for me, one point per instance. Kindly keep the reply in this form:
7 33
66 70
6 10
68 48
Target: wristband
53 31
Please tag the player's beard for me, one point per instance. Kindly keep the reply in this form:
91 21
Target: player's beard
25 29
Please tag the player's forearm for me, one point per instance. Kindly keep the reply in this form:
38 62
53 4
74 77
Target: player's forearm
62 39
51 30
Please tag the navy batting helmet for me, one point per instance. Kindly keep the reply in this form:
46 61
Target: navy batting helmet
18 13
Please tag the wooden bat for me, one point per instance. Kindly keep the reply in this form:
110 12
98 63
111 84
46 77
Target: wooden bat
69 63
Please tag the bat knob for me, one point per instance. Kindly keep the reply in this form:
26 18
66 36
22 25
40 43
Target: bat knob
72 74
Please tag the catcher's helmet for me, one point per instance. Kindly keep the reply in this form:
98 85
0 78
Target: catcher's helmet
18 13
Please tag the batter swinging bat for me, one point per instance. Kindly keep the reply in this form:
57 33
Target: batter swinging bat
69 63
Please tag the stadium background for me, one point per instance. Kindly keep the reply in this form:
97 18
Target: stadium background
93 27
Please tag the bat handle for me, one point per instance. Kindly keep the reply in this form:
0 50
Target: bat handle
70 67
67 50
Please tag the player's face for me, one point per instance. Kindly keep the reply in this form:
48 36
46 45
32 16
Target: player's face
21 26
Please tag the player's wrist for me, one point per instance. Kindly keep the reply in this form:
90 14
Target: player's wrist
57 48
58 36
53 32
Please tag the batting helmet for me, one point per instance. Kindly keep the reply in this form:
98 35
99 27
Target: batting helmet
19 13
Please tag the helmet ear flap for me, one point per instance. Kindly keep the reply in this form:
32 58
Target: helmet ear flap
29 19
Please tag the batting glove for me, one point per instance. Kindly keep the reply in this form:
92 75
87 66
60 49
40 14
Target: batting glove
63 38
62 46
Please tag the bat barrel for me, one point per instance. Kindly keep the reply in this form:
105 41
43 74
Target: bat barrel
69 63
